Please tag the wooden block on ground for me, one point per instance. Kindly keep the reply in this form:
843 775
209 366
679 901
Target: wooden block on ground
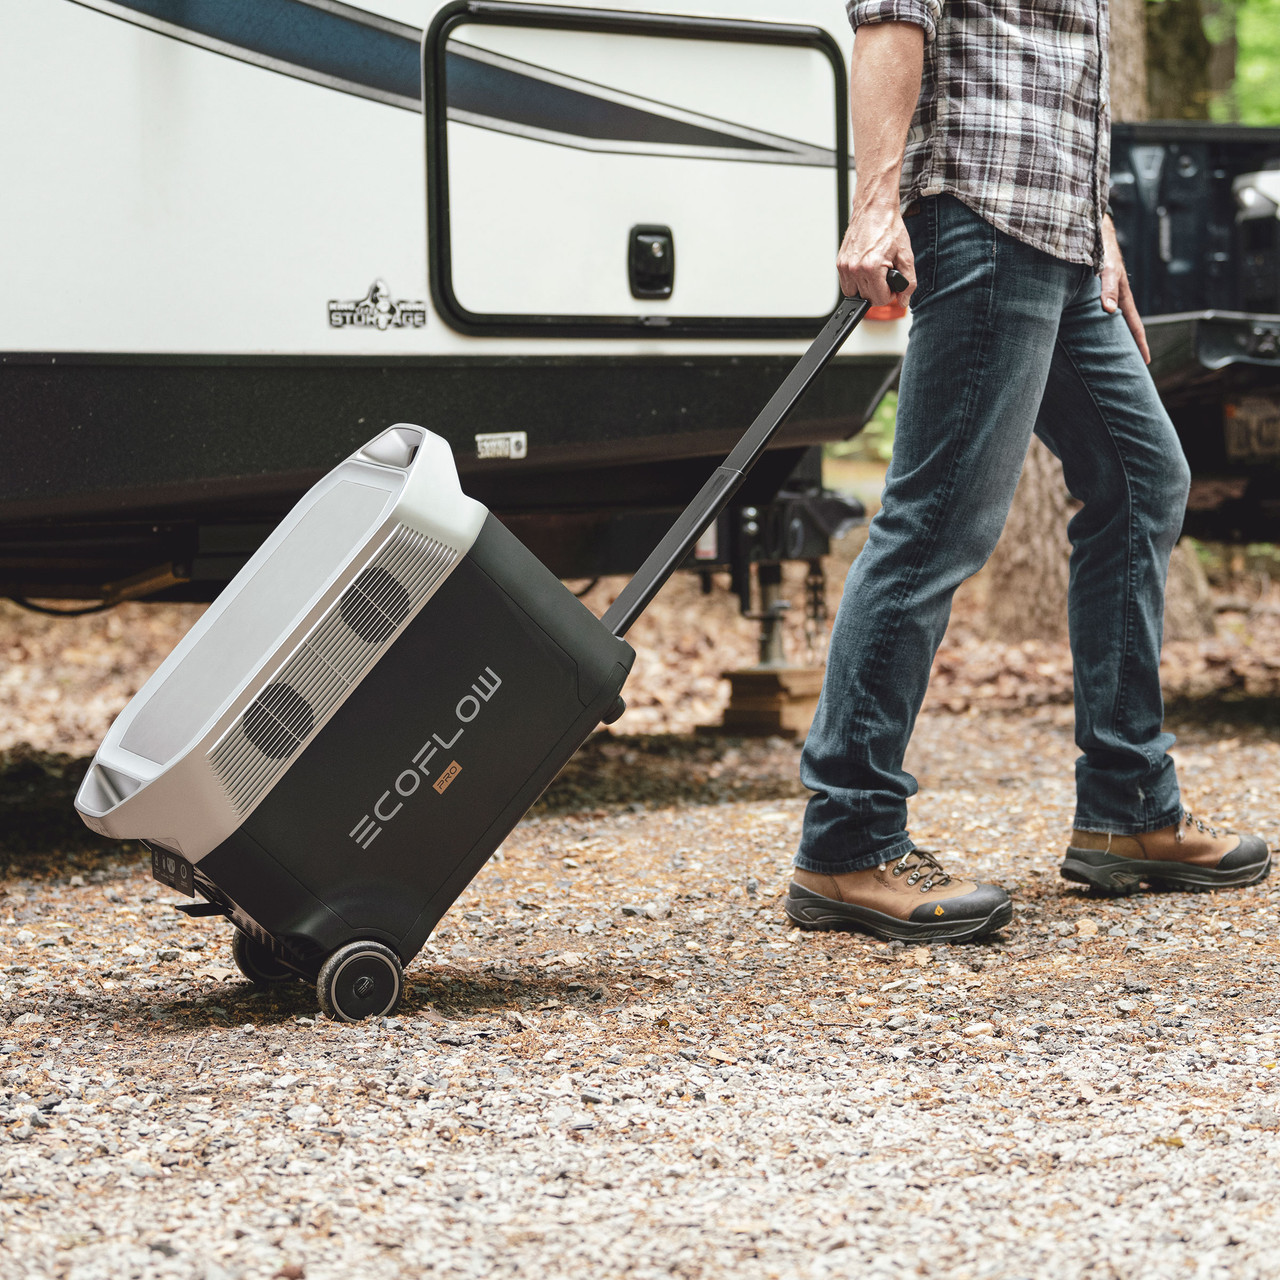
770 702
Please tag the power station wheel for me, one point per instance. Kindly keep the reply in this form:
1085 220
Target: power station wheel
360 980
257 963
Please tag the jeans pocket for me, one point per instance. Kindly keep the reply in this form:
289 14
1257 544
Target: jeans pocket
921 222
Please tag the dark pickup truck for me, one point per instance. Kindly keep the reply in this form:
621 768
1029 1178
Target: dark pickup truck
1197 210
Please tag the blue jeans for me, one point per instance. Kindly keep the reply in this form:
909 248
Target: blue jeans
1005 340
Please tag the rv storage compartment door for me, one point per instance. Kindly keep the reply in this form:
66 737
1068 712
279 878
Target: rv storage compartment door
555 138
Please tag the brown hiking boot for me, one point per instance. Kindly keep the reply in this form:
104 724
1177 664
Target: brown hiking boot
911 899
1187 855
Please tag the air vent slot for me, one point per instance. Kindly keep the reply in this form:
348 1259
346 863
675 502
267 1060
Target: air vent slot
348 639
278 720
374 605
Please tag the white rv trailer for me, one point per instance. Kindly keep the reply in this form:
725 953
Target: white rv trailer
240 236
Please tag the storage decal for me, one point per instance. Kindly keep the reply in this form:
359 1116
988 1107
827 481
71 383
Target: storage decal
377 310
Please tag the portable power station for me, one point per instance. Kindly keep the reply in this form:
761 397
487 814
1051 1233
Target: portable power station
353 727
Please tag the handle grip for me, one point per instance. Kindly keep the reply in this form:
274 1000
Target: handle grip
897 282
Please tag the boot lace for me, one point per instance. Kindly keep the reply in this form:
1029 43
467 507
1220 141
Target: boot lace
1189 820
921 865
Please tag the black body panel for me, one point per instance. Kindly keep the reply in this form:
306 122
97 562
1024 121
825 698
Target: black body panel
395 805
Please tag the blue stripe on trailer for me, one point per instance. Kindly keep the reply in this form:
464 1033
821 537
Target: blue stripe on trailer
338 45
341 47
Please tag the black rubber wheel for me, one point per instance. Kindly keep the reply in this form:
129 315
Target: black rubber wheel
616 710
360 980
257 963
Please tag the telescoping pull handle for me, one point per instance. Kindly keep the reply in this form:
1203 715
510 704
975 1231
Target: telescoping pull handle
714 496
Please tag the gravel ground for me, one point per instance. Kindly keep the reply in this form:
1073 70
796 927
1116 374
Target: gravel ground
615 1057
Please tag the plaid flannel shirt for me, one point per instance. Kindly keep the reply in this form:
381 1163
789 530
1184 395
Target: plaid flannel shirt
1013 117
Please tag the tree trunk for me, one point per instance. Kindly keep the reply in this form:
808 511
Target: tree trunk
1188 606
1027 599
1220 23
1129 76
1178 61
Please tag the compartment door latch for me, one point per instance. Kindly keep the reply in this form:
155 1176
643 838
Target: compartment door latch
651 262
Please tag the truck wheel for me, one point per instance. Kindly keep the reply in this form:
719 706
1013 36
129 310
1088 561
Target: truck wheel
360 980
257 963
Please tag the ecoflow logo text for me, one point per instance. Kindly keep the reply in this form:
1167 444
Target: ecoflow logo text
392 800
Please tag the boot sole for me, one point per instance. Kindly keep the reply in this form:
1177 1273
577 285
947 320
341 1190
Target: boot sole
1118 877
816 912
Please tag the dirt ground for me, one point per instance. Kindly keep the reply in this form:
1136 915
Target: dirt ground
63 680
614 1054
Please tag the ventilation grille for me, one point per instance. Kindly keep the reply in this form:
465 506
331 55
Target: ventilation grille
351 636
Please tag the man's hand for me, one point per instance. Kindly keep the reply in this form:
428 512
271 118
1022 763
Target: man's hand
888 58
1115 287
876 240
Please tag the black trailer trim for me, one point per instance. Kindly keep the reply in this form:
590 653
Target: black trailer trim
241 435
437 105
219 447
